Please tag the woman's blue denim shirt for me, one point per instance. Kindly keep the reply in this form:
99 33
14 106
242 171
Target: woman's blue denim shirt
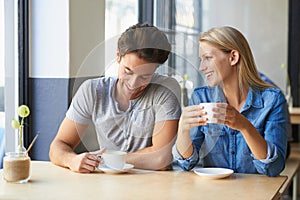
216 145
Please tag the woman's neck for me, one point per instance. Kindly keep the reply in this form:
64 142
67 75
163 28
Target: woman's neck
235 96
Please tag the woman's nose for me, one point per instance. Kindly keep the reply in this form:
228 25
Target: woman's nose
202 67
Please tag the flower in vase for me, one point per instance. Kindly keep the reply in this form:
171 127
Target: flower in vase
23 112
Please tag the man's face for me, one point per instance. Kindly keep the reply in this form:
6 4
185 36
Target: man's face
134 74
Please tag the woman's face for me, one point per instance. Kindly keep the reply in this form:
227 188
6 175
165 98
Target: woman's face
134 74
215 64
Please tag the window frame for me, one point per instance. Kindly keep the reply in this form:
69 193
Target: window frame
23 64
11 70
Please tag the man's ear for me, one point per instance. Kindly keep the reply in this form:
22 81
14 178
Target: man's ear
118 56
234 57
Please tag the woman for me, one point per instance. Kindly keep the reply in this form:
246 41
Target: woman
251 137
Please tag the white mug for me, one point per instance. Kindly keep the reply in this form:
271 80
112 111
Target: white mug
208 108
114 159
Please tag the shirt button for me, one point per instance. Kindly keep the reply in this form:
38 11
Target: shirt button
232 152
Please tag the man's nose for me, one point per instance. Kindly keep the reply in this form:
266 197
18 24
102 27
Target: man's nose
134 82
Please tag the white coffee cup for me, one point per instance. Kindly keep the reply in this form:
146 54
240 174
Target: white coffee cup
208 108
114 159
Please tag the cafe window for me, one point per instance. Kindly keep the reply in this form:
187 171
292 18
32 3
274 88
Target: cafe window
12 50
185 20
2 81
181 22
9 72
119 15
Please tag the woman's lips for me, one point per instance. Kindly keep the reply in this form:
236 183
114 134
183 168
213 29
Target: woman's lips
208 75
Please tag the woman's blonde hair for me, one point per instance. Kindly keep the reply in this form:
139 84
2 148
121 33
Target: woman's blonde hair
227 39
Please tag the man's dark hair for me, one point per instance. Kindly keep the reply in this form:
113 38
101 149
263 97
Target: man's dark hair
147 41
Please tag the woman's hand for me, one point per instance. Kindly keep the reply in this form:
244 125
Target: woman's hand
232 118
192 116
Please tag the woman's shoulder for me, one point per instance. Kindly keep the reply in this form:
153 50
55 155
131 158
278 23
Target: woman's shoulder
272 91
271 95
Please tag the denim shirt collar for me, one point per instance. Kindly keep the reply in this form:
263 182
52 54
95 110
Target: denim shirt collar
254 99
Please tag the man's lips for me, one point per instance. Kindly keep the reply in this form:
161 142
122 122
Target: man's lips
131 90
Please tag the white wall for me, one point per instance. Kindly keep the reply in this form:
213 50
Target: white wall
265 25
49 34
63 32
87 33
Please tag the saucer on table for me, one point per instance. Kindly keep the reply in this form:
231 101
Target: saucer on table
213 173
106 169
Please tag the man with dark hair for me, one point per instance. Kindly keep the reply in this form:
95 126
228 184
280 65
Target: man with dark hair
136 112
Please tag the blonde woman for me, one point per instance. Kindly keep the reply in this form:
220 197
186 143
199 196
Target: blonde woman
251 136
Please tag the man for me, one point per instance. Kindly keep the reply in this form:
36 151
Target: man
137 112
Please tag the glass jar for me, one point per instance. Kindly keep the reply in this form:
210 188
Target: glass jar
20 148
16 167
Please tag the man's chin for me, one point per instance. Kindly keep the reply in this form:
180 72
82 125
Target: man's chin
136 94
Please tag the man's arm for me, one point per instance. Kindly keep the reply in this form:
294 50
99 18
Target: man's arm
159 155
62 148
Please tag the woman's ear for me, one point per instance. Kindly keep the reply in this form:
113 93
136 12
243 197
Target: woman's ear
234 57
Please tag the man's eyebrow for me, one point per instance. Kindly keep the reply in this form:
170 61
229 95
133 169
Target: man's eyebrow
146 74
127 68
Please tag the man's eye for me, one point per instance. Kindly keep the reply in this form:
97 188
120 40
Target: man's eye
144 78
127 71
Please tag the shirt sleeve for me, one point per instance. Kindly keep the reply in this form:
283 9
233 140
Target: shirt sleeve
186 163
168 100
81 107
197 139
276 133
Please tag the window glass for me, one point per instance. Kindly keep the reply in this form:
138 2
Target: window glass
187 19
8 73
2 78
181 21
119 15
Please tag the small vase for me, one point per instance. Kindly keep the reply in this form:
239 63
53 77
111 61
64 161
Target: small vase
20 146
16 167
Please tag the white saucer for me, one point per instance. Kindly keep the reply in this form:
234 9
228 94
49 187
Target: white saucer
213 173
125 169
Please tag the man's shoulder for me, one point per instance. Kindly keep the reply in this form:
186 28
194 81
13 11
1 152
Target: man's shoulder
165 81
101 81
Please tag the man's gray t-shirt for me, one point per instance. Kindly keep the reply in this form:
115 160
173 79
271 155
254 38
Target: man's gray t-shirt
128 130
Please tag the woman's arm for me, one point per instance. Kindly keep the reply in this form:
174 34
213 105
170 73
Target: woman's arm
190 118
